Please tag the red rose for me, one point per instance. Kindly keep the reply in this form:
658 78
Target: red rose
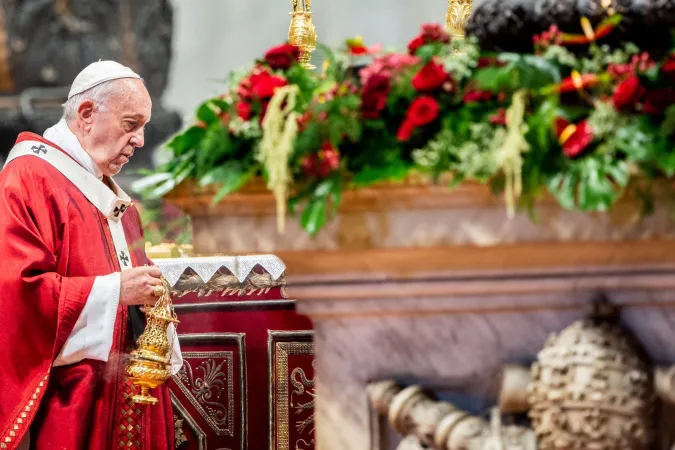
628 93
244 110
282 57
431 77
657 101
374 96
668 68
423 111
433 32
415 44
264 84
405 131
573 138
430 33
476 96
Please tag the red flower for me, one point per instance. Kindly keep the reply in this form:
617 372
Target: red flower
405 131
282 57
642 62
374 96
431 77
264 84
430 33
573 138
422 111
323 163
668 68
489 61
620 71
546 39
415 44
433 32
657 101
577 82
244 90
303 120
499 118
475 96
244 110
628 93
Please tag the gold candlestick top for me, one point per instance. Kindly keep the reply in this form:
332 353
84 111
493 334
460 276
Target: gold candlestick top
302 33
457 16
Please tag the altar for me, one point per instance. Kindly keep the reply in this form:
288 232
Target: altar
248 372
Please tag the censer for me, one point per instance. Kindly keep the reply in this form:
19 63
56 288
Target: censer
302 33
150 363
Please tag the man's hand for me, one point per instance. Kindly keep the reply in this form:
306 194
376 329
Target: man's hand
137 284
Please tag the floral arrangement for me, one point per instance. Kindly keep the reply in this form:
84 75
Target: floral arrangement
575 118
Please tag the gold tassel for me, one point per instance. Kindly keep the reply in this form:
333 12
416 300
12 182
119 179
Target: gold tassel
280 129
510 155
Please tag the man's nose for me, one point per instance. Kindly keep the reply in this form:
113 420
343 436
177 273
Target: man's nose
138 139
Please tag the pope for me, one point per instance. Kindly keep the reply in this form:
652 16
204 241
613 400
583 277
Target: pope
74 275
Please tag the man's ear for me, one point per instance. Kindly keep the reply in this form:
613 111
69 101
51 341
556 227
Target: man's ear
85 113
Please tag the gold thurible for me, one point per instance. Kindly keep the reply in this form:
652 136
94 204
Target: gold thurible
150 363
302 33
457 16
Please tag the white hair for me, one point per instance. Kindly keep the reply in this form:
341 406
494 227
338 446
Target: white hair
99 95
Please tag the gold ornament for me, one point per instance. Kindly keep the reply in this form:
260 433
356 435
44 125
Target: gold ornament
302 33
457 16
150 364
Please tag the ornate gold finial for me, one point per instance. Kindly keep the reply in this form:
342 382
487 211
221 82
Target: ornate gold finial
302 33
457 16
150 364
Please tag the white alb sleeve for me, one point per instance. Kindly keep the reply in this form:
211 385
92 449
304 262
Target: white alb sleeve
176 355
92 336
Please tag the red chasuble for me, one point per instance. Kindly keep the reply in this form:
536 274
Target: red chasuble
54 243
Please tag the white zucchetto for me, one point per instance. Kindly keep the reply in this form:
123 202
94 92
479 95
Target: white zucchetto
97 73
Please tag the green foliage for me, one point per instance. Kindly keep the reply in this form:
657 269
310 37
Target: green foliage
510 139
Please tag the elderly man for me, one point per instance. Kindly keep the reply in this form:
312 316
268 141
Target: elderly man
73 273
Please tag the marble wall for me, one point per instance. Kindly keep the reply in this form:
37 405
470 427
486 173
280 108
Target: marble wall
456 337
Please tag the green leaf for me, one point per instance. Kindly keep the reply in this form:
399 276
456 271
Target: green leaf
167 186
398 170
147 182
206 113
314 216
231 176
186 141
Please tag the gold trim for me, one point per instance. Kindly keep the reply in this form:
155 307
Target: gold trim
279 347
12 430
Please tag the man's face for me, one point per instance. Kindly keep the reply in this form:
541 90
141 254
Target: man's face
113 133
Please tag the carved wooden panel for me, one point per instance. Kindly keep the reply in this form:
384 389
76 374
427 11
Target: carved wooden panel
209 392
292 390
